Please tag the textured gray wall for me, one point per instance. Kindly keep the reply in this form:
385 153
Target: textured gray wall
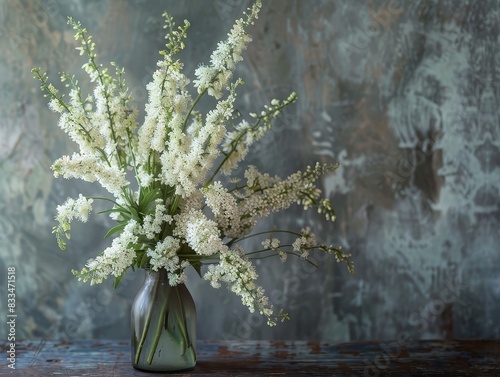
403 94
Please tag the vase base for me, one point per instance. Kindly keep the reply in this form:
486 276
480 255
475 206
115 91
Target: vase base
163 371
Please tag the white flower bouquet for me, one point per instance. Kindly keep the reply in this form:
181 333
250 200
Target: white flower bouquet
165 177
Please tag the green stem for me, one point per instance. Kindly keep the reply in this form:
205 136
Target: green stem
175 204
143 338
275 253
184 330
161 321
264 232
192 108
88 50
144 334
226 157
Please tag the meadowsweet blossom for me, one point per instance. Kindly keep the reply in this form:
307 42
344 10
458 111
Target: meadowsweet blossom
164 255
114 260
203 236
75 209
271 243
305 243
265 194
236 270
172 188
225 208
91 169
214 78
153 223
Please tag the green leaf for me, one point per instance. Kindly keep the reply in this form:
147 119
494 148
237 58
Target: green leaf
197 267
115 229
149 196
134 214
147 200
107 200
118 279
112 210
144 261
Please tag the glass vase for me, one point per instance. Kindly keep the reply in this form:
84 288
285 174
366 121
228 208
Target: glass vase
163 326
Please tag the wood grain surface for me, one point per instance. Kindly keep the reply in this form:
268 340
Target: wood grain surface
103 358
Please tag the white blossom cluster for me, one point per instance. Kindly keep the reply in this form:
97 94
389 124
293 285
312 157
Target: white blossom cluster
215 77
177 212
79 209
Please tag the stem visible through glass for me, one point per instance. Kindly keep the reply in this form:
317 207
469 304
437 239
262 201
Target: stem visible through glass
184 328
145 331
161 322
182 325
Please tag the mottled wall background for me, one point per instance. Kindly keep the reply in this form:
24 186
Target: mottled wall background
403 94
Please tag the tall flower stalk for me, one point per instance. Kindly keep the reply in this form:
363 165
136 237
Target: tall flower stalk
167 196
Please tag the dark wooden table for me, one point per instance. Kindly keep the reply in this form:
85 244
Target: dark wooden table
99 358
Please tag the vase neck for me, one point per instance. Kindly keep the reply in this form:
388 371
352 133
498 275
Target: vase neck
155 277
